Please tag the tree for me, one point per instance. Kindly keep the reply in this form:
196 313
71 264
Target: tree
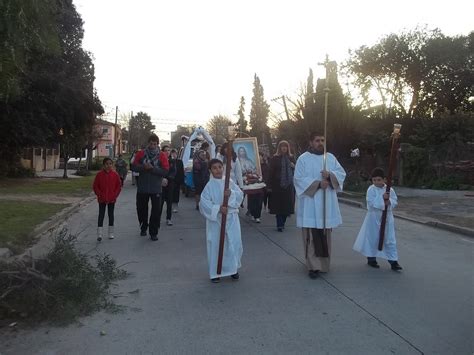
140 129
241 124
27 28
259 114
217 127
176 141
57 93
414 71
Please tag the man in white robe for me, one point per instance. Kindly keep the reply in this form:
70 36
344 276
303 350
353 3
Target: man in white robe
211 207
368 238
311 180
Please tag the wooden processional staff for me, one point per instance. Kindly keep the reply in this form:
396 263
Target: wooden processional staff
225 203
391 166
326 96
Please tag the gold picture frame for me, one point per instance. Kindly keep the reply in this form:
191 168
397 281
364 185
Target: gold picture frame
247 153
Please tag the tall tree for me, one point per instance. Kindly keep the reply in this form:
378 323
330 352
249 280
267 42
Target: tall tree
259 114
26 29
217 127
241 124
140 129
414 71
57 93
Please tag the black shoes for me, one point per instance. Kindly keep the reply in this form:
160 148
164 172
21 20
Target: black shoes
154 237
373 264
143 233
280 229
396 266
313 274
236 276
216 280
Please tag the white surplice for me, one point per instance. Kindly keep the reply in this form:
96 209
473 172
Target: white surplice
368 239
211 201
309 198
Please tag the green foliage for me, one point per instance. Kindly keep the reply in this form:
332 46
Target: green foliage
19 171
241 124
446 183
64 285
140 129
26 27
416 167
259 114
434 70
55 86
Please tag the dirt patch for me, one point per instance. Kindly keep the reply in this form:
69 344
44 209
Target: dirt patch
41 198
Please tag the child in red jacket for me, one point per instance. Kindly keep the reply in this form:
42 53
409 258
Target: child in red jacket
107 186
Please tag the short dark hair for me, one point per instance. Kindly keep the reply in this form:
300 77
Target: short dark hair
173 151
164 147
214 162
204 145
106 160
153 138
378 172
315 134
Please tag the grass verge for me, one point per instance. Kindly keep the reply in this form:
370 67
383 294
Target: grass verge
18 219
74 187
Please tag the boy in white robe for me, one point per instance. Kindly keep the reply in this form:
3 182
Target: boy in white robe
211 207
368 239
311 180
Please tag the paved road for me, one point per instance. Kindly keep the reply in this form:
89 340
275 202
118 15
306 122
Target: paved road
275 307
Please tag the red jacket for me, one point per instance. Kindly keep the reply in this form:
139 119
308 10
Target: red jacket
107 186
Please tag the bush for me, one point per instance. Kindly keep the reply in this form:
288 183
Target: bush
82 172
446 183
416 167
20 172
64 285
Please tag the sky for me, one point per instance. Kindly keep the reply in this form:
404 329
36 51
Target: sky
184 61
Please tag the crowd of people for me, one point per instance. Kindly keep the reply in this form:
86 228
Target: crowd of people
310 183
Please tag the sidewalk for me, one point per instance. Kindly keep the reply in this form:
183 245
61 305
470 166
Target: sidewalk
449 210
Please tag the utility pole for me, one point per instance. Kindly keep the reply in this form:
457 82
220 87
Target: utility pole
115 131
130 148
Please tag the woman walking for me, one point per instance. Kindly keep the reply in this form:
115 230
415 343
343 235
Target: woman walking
280 185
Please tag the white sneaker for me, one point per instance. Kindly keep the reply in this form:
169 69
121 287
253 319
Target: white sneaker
169 223
111 232
257 220
175 210
100 233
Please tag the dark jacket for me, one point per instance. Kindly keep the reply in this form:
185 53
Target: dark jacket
179 178
281 200
150 180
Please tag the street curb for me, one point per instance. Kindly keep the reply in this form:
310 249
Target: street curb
59 217
435 224
40 232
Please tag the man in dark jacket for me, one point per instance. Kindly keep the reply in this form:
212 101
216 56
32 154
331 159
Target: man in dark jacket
152 166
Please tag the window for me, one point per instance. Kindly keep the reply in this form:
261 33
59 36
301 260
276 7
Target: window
105 130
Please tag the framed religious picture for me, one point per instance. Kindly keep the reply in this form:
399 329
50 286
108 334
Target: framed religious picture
247 153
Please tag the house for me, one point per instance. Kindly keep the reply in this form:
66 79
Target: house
40 158
110 139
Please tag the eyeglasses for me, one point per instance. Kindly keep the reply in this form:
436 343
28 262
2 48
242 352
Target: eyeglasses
318 140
